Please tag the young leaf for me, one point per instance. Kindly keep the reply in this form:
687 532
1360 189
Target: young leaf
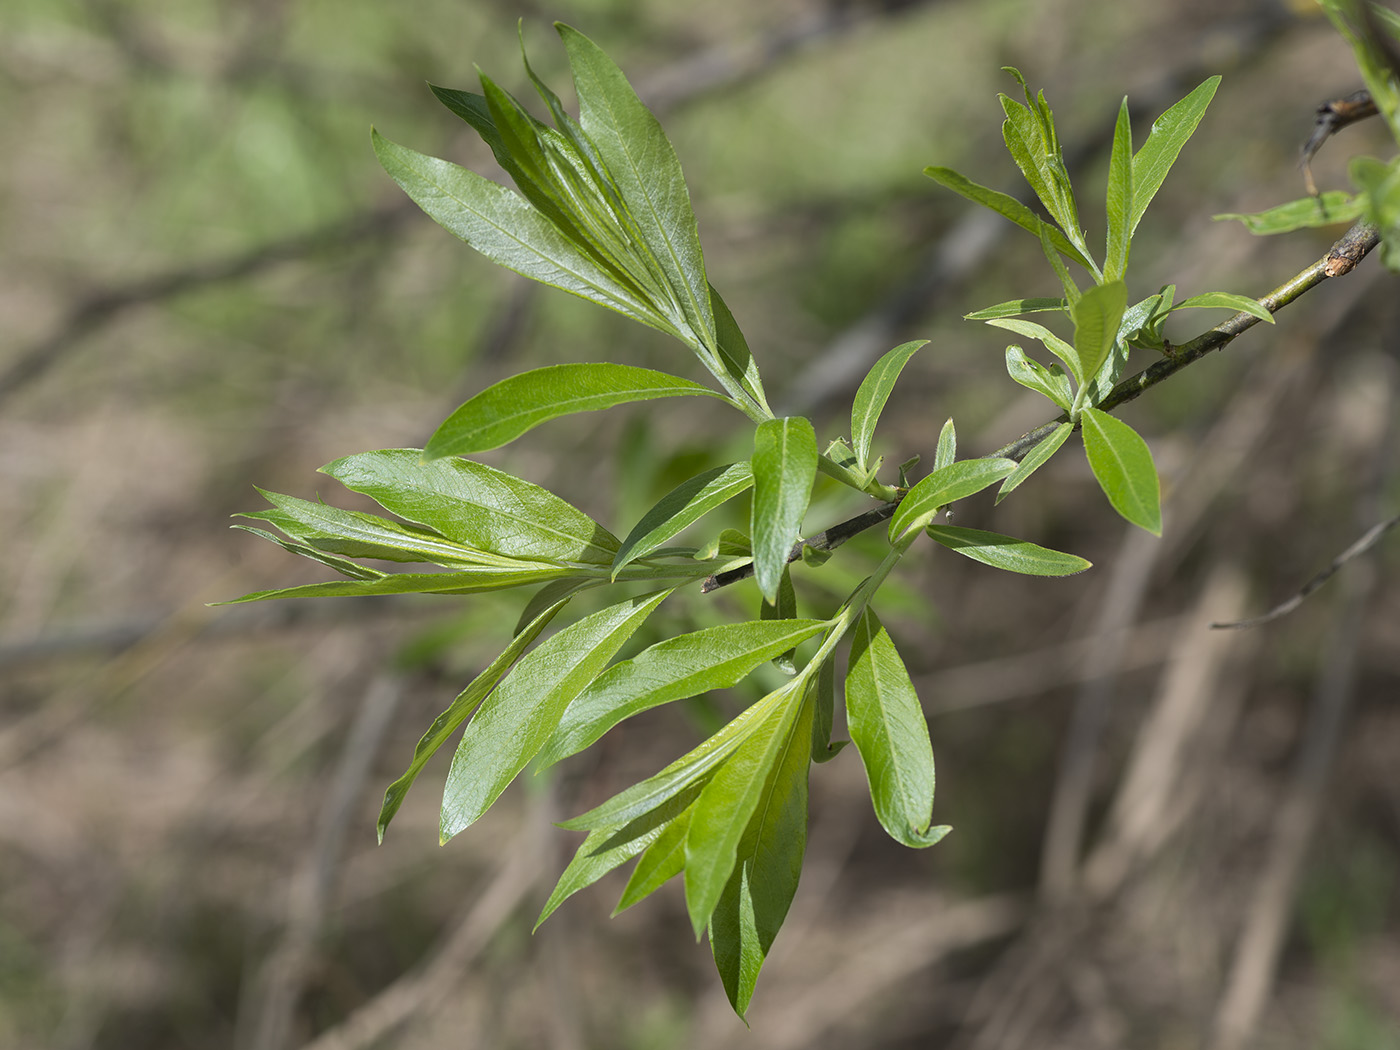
341 565
516 720
768 864
648 175
1017 307
785 608
1035 459
1169 134
680 667
459 710
943 486
662 861
1329 209
467 581
1010 207
476 505
1097 316
888 728
947 450
1006 552
784 465
1120 197
874 392
1031 374
1226 301
682 506
729 800
1122 462
1057 346
501 413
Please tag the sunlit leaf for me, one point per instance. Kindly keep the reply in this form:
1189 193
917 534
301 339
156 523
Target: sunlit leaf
784 464
947 450
1035 459
874 392
1031 374
1057 346
944 486
1122 463
1016 307
1096 317
1119 199
1226 301
1329 209
1006 552
662 861
687 503
1170 132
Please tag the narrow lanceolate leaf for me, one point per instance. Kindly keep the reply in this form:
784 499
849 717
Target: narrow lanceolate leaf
607 847
501 413
943 486
341 565
648 175
1057 346
1031 374
785 608
824 749
874 392
477 506
1096 317
734 353
1226 301
1120 197
889 730
680 667
784 465
1017 307
516 720
728 802
1169 134
1123 465
1007 552
662 861
1035 459
459 710
1008 206
768 864
1329 209
510 231
684 505
947 450
467 581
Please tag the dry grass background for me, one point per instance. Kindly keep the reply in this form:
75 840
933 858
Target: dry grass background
1165 837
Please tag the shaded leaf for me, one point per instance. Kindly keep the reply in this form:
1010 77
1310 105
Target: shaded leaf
1097 316
662 861
468 581
1031 374
947 450
1122 463
1035 458
1057 346
685 504
1006 552
1329 209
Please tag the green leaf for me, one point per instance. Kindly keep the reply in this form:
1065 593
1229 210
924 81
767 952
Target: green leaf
1035 459
510 231
729 800
477 506
468 581
1226 301
784 466
1169 134
682 506
501 413
1016 307
1380 181
874 392
1097 316
888 728
1122 462
648 175
947 450
459 710
1006 552
1031 374
768 864
824 714
680 667
785 608
944 486
1008 206
1120 197
1057 346
1331 208
516 720
607 847
734 353
1047 248
662 861
340 565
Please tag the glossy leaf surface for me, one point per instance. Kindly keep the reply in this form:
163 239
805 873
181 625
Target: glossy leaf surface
684 505
784 464
1007 552
945 485
1123 465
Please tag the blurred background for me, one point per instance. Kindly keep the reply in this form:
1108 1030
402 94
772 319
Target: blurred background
1165 836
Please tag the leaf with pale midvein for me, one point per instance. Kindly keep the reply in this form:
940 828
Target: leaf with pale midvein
509 230
1226 301
459 710
824 749
1329 209
887 726
644 166
662 861
1016 307
1031 374
353 534
607 847
1119 198
947 451
768 864
1008 206
1097 315
784 465
341 565
1123 465
874 392
1007 552
477 505
734 352
1169 134
516 720
501 413
1057 346
1035 459
685 504
680 667
729 800
943 486
475 580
